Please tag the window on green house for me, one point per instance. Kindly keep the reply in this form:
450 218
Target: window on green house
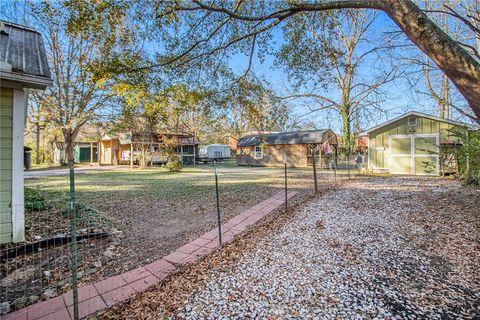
412 121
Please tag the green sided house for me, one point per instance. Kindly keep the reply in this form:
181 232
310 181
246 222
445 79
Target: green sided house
413 144
23 65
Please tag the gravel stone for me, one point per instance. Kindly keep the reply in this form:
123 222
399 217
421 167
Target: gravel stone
4 307
344 256
49 293
20 302
108 254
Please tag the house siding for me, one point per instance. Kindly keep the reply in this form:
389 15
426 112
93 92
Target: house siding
379 139
6 127
274 155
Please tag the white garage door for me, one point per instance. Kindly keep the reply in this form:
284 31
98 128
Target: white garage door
414 154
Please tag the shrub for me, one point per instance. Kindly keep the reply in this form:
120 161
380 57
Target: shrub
35 200
174 164
86 216
469 156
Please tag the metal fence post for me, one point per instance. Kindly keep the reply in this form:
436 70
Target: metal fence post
320 157
73 245
315 168
218 208
286 189
335 165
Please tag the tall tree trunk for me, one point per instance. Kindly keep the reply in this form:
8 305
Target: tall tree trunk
37 144
446 98
69 138
346 128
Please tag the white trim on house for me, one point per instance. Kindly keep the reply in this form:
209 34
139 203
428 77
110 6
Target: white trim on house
11 79
418 114
412 154
18 215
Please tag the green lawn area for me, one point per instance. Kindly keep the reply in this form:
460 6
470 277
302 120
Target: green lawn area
97 187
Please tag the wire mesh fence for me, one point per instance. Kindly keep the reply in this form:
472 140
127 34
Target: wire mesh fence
126 218
40 267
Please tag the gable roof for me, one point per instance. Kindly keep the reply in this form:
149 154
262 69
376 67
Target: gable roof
22 56
418 114
297 137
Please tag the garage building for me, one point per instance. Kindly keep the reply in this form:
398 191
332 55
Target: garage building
412 144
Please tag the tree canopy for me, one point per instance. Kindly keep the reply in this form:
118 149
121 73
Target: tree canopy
198 33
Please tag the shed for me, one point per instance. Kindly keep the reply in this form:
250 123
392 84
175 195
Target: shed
212 152
412 144
23 65
86 145
271 149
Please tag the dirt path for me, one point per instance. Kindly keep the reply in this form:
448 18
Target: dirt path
377 248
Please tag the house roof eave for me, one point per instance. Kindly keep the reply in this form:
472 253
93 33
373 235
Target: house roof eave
16 80
413 113
295 137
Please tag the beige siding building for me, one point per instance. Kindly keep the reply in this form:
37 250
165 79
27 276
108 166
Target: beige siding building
271 149
23 65
412 144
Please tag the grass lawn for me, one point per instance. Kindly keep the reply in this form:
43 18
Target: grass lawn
44 166
98 187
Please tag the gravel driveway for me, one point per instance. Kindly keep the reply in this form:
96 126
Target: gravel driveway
401 247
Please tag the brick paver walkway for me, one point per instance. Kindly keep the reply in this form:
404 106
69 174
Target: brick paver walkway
110 291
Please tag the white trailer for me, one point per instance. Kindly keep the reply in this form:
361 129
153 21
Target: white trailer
210 152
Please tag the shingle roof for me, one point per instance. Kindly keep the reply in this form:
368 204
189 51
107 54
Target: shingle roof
298 137
23 49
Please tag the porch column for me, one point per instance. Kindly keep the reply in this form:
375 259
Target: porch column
131 155
194 151
181 152
99 152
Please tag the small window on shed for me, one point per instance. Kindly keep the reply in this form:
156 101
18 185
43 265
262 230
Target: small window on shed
258 152
412 121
